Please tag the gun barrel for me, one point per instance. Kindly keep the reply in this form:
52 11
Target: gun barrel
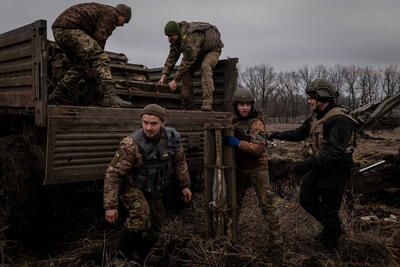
372 166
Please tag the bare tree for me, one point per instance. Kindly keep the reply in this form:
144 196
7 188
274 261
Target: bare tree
351 76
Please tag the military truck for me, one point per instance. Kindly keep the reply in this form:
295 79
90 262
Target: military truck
42 145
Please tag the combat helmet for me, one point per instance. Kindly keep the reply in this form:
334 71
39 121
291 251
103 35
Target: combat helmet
243 95
322 89
171 28
125 11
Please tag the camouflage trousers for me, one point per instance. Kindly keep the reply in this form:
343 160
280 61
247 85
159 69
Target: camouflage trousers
144 211
259 179
85 56
393 249
206 64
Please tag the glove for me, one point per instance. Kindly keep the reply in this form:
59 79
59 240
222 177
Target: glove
300 169
272 136
231 141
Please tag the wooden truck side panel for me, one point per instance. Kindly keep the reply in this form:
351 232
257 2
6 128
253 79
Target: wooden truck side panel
23 69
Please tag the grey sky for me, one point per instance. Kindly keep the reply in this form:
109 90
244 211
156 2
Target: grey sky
283 33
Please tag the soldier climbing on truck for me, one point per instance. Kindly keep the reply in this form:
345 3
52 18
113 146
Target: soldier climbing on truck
81 31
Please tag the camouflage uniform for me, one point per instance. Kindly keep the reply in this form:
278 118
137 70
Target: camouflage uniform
144 210
201 46
252 168
81 31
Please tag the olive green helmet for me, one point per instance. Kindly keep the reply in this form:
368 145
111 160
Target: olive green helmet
171 28
322 89
243 95
125 11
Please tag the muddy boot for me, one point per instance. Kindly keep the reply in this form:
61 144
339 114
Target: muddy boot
111 99
59 97
206 107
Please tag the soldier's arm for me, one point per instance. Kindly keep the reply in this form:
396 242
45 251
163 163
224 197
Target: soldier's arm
334 149
104 28
171 60
257 142
298 134
190 54
181 169
118 169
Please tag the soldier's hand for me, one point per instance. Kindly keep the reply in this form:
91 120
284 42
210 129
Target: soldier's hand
172 85
162 79
231 141
187 194
111 215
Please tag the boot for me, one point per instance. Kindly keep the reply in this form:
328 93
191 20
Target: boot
59 96
206 107
128 245
111 99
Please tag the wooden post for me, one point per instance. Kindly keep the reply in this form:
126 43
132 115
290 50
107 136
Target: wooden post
230 179
218 176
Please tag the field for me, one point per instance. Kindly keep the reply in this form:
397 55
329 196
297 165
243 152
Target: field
79 235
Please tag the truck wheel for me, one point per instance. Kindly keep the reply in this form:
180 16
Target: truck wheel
20 189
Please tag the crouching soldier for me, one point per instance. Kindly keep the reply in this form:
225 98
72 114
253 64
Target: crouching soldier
145 161
252 160
81 31
328 158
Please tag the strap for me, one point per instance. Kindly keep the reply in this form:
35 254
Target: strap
333 112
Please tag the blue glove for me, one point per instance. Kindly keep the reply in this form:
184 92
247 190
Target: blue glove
232 141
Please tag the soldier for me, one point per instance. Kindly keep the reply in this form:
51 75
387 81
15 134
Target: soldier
145 162
328 158
81 31
201 45
252 160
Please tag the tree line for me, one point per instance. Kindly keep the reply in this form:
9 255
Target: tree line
281 95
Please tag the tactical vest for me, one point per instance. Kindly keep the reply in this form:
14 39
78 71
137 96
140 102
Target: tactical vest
243 132
315 142
155 174
211 35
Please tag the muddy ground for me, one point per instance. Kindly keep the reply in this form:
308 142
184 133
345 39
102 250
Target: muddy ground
368 221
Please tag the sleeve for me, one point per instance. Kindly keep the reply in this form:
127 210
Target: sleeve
171 60
298 134
257 144
190 53
334 149
118 169
180 168
104 28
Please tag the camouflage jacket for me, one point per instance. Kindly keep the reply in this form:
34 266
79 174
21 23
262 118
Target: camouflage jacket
97 20
195 39
251 152
130 156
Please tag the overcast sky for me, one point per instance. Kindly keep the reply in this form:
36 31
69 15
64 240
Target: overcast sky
283 33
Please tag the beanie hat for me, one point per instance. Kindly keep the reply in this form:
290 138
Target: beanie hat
171 28
125 11
154 109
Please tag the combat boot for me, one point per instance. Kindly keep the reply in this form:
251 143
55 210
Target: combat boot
206 107
111 99
59 97
128 245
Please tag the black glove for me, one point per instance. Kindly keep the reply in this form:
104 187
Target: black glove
300 169
274 135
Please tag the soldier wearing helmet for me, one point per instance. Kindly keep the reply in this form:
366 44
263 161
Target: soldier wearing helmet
81 31
327 158
201 45
251 157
